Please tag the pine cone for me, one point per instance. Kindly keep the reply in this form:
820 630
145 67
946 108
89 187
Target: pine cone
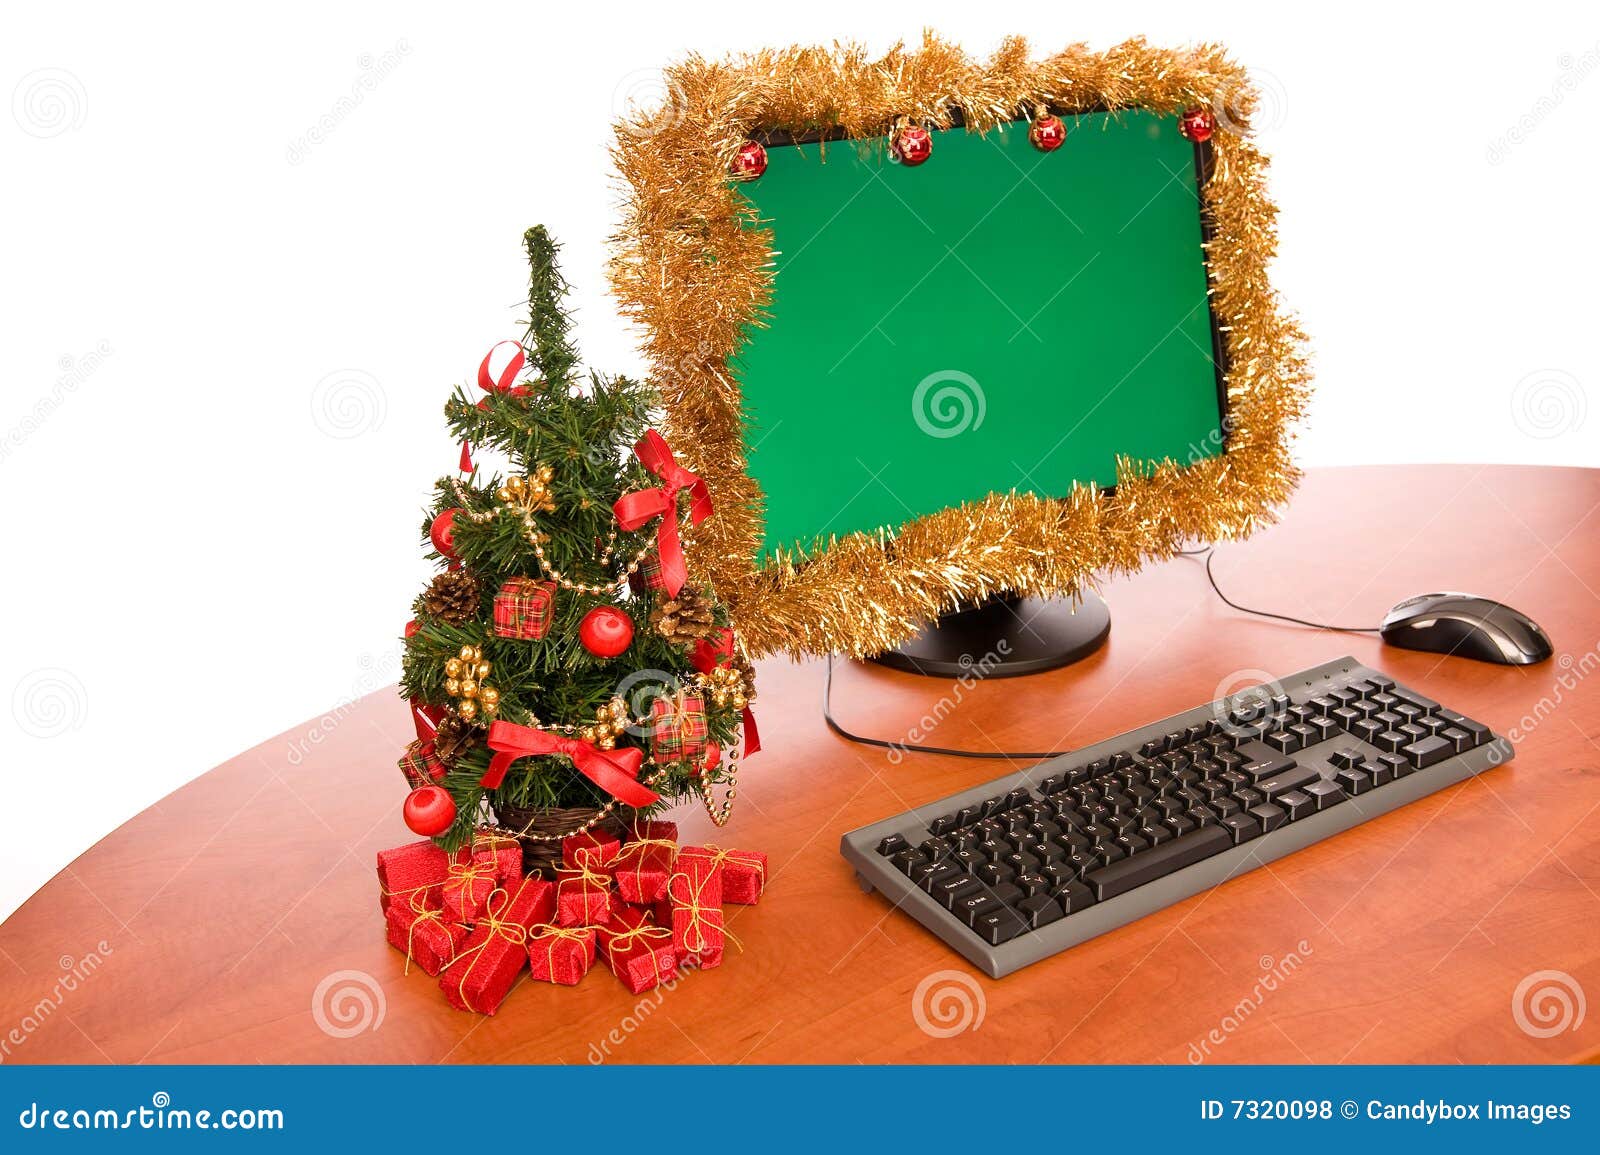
452 739
685 618
453 597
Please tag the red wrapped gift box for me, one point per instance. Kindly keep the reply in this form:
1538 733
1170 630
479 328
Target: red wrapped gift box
470 880
637 951
504 852
641 867
423 933
744 875
524 608
594 847
479 977
694 907
405 872
561 954
583 897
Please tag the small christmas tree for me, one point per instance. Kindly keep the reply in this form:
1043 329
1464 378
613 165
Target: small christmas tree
561 670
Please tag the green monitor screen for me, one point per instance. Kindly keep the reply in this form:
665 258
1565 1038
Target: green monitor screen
996 319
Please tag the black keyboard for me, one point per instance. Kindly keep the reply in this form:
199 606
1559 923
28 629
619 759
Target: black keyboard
1030 864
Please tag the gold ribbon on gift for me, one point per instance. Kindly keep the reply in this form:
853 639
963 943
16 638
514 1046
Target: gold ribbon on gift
461 876
498 926
742 857
582 876
701 916
609 943
423 914
550 934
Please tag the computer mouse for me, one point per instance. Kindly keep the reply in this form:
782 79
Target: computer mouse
1466 626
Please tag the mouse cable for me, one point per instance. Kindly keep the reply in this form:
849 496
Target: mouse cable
1210 552
1041 755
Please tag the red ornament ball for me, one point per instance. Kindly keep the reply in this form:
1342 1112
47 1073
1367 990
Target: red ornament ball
1047 133
1197 124
430 810
913 144
412 628
749 162
443 533
605 631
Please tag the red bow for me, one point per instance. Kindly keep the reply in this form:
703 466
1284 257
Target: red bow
426 719
505 383
708 655
614 771
634 509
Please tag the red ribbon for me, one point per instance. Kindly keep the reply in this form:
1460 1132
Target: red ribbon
426 719
634 509
708 655
506 383
614 771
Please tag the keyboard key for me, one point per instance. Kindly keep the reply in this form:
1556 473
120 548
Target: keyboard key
1298 804
1428 751
1399 766
893 844
1075 896
931 874
1458 738
1031 884
1120 877
1000 925
1326 793
1040 910
1354 782
1391 740
1379 772
974 906
1479 732
951 890
1345 758
1266 768
1270 816
1288 780
1241 827
994 873
907 860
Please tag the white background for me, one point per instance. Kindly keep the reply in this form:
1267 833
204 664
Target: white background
227 341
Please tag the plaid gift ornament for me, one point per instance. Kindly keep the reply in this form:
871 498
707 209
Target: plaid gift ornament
523 608
648 575
680 731
420 764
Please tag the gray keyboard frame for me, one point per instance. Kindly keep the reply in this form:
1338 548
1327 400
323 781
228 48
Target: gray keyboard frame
875 872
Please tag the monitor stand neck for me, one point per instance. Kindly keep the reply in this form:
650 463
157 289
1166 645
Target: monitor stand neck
1005 636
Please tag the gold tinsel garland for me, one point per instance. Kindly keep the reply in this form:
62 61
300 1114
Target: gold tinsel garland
690 269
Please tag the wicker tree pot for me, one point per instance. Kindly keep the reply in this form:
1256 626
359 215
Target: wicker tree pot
540 832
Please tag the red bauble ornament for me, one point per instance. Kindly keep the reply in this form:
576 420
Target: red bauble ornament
749 162
430 810
412 628
443 533
1047 133
713 759
1197 124
913 144
605 631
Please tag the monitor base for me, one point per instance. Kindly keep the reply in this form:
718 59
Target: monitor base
1039 634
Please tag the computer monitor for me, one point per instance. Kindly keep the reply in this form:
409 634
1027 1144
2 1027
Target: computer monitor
998 319
1005 369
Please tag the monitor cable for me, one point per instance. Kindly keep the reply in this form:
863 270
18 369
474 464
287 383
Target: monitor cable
1040 755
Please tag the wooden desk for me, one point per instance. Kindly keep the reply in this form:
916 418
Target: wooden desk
225 905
